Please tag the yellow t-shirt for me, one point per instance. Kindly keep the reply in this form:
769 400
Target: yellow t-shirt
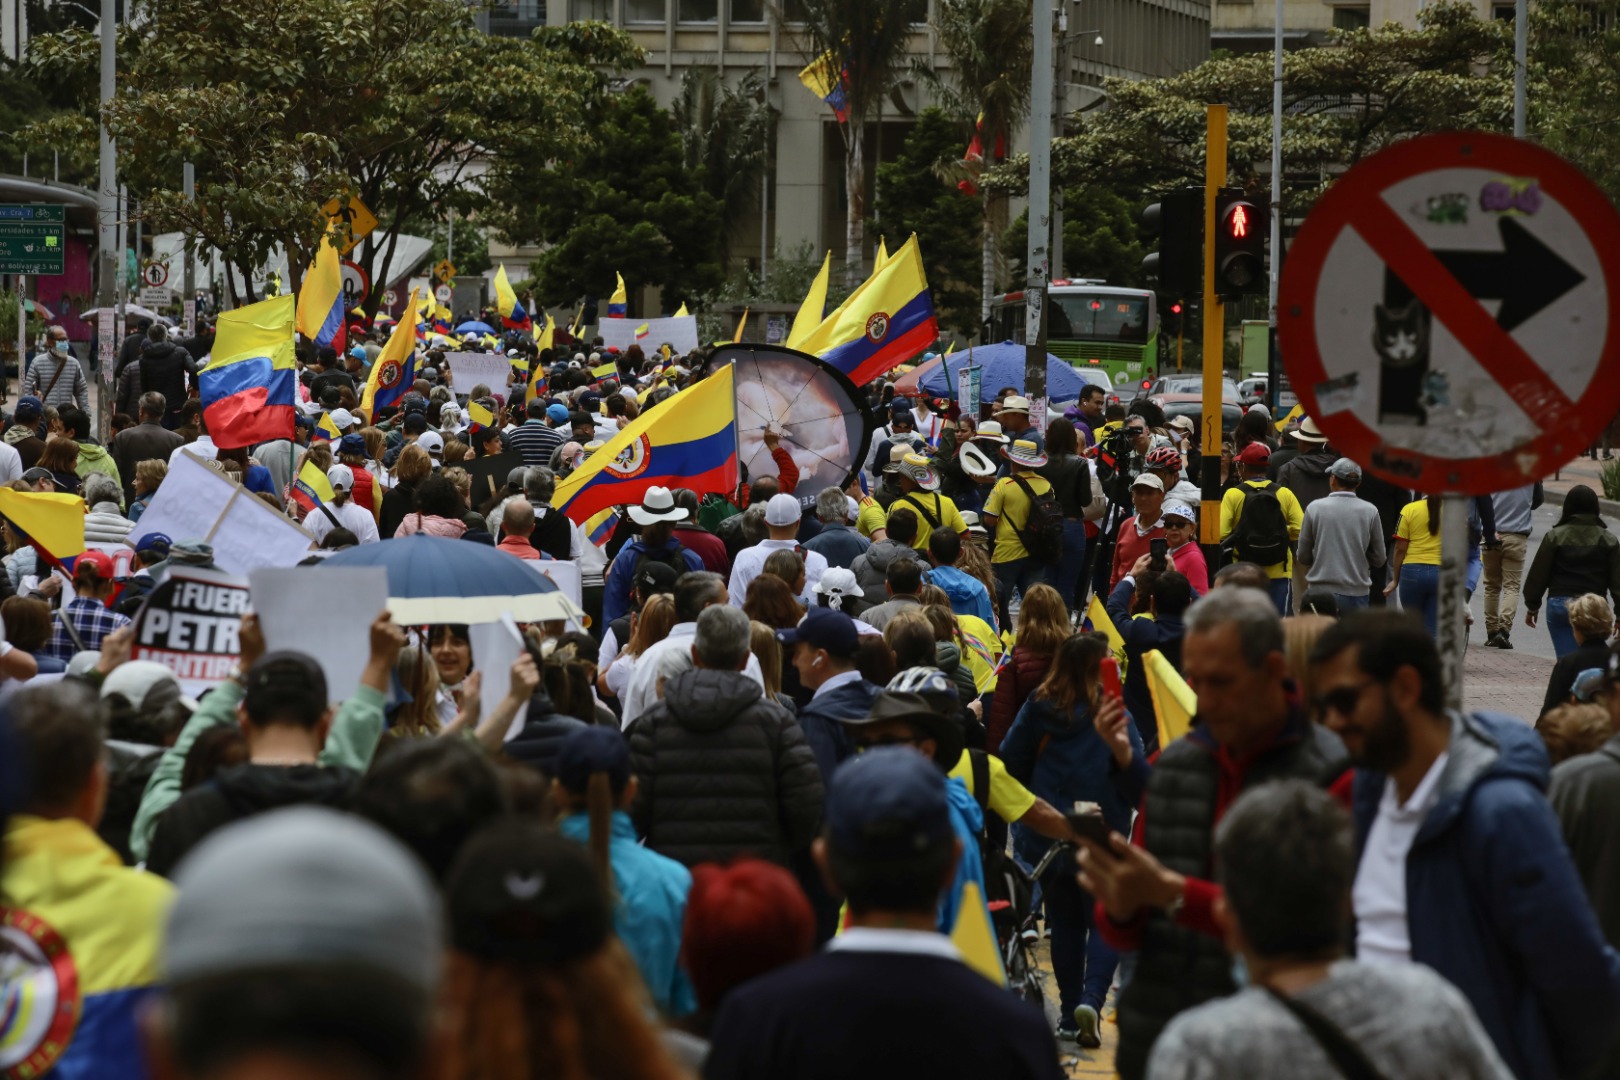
934 505
871 518
981 650
1009 799
1421 547
1011 509
1232 510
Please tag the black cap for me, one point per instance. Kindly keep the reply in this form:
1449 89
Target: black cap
519 892
949 741
888 803
655 577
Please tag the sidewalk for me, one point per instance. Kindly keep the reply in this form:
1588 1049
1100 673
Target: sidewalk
1583 470
1513 682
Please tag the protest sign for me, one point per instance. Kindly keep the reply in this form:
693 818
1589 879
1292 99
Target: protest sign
327 615
468 369
190 624
489 473
496 647
678 331
197 503
564 575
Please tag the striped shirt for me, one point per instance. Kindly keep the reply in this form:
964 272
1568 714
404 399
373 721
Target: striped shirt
535 440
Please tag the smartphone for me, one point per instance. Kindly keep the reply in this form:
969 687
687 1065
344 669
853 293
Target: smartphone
1110 678
1158 550
1087 822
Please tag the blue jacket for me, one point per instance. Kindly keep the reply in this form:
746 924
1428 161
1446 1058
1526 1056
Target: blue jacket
822 722
1495 905
840 545
968 594
968 821
616 590
1062 759
1162 632
649 909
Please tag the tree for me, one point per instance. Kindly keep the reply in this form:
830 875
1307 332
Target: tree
1341 103
990 46
1573 85
915 195
1101 236
725 132
626 203
284 106
864 44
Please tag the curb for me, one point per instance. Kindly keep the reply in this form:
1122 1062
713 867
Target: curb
1605 506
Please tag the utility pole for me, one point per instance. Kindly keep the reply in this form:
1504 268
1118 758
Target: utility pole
1040 213
107 214
1273 359
1521 59
188 280
1209 516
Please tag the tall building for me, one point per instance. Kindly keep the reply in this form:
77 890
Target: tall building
1247 25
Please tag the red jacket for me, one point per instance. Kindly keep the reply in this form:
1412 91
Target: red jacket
709 547
1130 547
787 477
1023 672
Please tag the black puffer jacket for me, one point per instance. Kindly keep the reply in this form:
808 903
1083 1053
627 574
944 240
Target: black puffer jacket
1578 555
722 772
544 729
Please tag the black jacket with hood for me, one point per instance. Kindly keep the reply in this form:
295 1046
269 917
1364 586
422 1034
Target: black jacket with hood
240 792
1307 475
722 772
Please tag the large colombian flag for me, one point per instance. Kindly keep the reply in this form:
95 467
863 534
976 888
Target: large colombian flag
886 321
250 388
320 298
394 372
513 317
51 521
688 440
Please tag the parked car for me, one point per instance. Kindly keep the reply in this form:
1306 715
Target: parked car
1186 382
1192 405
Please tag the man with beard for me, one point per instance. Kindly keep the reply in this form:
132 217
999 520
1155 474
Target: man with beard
1461 862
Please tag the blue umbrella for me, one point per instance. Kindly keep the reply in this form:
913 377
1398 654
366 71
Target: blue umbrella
1003 366
435 580
473 326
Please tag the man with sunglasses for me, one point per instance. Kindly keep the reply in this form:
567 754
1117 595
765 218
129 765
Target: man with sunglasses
1461 863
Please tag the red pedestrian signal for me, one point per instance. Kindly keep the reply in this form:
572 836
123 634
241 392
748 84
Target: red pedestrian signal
1240 221
1240 248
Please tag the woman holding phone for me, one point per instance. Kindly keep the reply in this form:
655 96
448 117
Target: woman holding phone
1054 749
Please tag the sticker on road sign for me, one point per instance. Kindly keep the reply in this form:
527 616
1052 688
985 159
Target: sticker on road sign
155 274
1447 313
443 293
390 298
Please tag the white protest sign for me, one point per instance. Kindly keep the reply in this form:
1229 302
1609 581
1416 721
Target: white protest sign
564 575
495 648
197 503
679 332
469 369
190 624
325 612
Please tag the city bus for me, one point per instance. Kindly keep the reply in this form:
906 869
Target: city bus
1090 324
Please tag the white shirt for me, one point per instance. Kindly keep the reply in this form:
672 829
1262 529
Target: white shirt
10 466
663 660
908 942
1379 894
352 516
836 681
203 448
751 563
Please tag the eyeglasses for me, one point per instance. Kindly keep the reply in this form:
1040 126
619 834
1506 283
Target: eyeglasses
1343 700
862 746
1135 431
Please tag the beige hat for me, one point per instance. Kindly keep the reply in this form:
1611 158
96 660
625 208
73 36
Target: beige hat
1148 480
1308 432
990 431
1182 423
1014 404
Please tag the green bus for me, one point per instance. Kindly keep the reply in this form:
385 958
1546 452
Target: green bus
1106 329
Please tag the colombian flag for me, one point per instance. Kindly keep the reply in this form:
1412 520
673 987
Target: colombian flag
885 322
513 317
481 417
311 489
535 383
441 320
325 430
250 388
689 440
52 522
828 79
320 300
393 373
619 301
599 530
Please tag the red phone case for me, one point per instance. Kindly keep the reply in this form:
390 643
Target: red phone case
1110 678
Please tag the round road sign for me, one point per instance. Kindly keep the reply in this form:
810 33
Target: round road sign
444 293
1447 313
356 285
390 298
155 274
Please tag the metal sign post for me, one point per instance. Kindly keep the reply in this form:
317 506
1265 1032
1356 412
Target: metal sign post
1453 623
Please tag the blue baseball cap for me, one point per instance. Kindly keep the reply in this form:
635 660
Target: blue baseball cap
358 352
155 543
888 803
557 414
594 749
29 407
824 628
352 443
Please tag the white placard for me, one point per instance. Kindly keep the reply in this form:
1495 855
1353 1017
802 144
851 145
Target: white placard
564 575
680 332
468 369
495 648
196 503
347 597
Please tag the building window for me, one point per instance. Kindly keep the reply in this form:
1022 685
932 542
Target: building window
916 11
1352 18
590 10
698 11
1503 12
644 11
747 11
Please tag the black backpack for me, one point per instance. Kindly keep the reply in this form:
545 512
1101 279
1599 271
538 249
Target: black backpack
1261 534
670 557
1042 533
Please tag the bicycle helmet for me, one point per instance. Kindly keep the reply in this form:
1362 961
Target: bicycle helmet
932 684
1164 457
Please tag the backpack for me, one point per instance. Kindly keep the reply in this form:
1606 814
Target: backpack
670 557
1042 533
1261 535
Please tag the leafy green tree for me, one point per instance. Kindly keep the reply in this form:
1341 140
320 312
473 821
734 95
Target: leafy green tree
1573 85
725 132
284 106
1101 235
916 194
625 203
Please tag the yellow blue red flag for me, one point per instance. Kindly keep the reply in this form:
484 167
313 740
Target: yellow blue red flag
395 369
689 440
513 317
888 320
52 522
320 298
814 308
535 384
311 489
828 78
1173 700
326 430
249 390
619 302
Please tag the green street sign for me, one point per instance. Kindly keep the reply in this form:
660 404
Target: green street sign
33 239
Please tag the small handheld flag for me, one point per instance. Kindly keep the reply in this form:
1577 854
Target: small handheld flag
513 317
311 489
619 302
326 430
320 300
643 330
479 415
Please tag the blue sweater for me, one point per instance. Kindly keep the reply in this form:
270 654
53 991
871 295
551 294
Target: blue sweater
649 911
1062 759
1495 905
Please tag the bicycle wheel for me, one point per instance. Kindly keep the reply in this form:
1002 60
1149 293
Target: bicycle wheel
1023 975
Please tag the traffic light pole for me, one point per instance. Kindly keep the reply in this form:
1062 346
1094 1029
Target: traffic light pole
1209 516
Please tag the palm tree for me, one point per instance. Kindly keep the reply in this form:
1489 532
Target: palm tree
871 38
725 131
989 45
